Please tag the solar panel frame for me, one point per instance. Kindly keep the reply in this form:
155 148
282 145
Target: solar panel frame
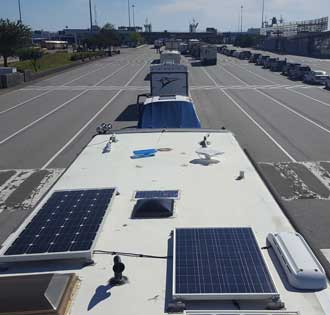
240 312
156 193
219 296
80 254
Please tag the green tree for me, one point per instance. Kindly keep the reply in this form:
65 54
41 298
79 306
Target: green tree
136 37
108 27
33 54
104 39
13 35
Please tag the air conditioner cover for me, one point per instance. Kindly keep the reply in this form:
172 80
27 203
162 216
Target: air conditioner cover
302 268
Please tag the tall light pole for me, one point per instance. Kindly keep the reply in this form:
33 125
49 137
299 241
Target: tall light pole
241 19
19 10
133 7
90 14
263 13
129 13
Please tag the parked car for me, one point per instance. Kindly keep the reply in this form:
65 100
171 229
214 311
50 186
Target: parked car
236 54
231 52
261 60
298 72
327 83
268 62
288 67
277 65
254 58
315 77
221 48
244 55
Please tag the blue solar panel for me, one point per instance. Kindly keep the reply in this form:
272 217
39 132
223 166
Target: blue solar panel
68 221
148 194
220 261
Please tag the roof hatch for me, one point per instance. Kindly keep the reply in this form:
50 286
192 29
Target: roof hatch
153 208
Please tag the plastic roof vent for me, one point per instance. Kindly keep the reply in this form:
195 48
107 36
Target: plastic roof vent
153 208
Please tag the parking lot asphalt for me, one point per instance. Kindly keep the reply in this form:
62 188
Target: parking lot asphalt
274 118
44 125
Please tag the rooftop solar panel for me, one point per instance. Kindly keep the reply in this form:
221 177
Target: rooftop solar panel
68 222
240 312
219 263
148 194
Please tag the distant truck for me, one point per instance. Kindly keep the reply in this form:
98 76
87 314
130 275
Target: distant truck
172 57
208 55
183 48
172 44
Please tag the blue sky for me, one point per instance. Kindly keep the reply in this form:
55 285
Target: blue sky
164 14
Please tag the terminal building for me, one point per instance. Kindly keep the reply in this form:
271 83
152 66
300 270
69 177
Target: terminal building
305 38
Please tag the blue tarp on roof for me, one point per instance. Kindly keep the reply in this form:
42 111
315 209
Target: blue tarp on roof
175 114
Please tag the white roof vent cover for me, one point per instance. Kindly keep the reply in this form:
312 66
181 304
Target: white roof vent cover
302 268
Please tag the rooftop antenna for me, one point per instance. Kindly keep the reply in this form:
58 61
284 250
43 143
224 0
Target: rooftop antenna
118 268
95 15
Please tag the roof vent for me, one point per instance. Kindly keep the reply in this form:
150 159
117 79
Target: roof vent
153 208
302 268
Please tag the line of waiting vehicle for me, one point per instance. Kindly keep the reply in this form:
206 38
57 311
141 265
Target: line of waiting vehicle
290 88
291 110
293 70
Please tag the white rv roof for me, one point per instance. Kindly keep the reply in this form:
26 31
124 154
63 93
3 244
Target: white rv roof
209 197
171 52
168 98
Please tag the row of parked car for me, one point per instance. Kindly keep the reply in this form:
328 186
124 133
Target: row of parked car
294 71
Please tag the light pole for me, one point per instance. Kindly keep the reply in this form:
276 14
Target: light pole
90 14
133 7
129 13
241 19
263 13
19 10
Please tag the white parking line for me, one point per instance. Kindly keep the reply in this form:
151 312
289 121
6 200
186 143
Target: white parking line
23 103
294 112
86 65
86 74
90 120
309 97
256 74
136 74
42 117
259 126
111 75
80 131
234 76
250 117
